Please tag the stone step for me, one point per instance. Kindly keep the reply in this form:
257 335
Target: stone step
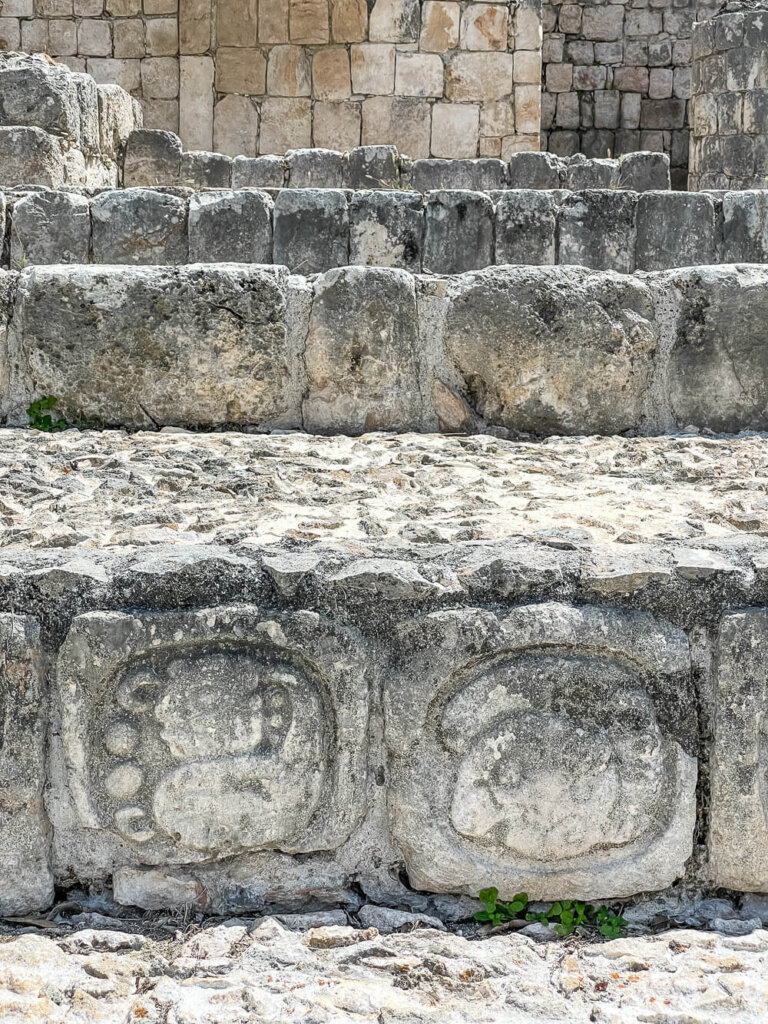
531 350
445 232
245 666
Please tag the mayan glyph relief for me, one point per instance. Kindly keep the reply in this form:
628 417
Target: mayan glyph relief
541 754
738 836
196 735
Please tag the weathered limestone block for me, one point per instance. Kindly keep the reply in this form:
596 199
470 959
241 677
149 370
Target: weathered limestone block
718 373
194 736
644 172
581 173
230 227
675 229
553 350
311 230
482 175
119 116
258 172
386 229
205 170
314 168
364 370
30 156
738 835
535 170
745 227
596 229
152 158
140 226
36 93
26 880
149 346
526 221
549 749
50 227
367 167
459 232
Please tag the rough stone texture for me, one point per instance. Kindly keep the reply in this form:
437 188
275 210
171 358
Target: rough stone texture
386 229
26 880
644 172
526 227
510 334
205 170
459 232
209 973
745 227
472 175
139 226
50 227
230 227
718 373
30 156
258 172
363 374
675 229
369 167
138 347
152 158
311 230
738 839
550 789
314 168
535 170
597 229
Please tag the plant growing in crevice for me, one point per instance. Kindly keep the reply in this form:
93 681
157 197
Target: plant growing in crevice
564 915
40 416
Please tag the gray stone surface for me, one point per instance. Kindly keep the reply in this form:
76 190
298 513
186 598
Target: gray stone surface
581 173
474 175
644 172
553 349
26 880
535 170
119 116
368 167
50 227
205 170
35 92
311 230
526 226
675 229
363 373
151 346
745 227
458 232
386 229
30 156
152 158
718 372
597 229
549 764
314 168
258 172
230 226
139 226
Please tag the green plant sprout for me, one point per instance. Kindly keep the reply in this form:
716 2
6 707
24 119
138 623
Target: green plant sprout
565 915
40 417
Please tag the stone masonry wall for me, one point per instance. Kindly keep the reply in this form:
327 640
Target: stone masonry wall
617 77
435 77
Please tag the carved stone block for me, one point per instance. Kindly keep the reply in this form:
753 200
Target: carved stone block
195 736
26 882
738 835
544 750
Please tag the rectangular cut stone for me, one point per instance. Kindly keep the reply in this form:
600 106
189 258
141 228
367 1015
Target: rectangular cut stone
205 170
230 227
138 225
535 170
26 879
402 121
483 175
370 167
50 227
309 21
152 158
30 156
597 229
479 76
311 230
200 345
717 375
526 226
236 23
196 102
512 343
581 173
644 172
386 229
191 737
273 21
285 124
738 833
745 227
395 21
459 232
349 20
314 168
498 758
675 229
195 23
258 172
363 374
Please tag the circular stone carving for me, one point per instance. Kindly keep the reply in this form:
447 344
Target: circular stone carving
121 739
124 782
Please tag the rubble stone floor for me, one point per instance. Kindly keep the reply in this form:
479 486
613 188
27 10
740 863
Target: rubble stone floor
113 489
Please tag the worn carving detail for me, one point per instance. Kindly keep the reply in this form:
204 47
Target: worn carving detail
738 835
198 735
546 760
